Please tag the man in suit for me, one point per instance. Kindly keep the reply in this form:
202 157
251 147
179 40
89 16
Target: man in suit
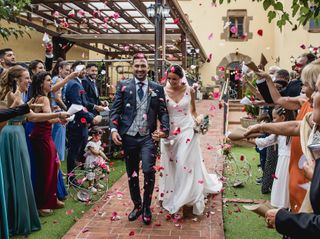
78 128
90 86
137 105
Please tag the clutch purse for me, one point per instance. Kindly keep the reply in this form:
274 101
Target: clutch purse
203 126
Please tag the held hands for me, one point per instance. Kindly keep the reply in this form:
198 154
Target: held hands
97 119
99 108
271 217
116 138
157 135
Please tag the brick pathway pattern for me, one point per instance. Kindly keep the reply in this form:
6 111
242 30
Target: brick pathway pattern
108 217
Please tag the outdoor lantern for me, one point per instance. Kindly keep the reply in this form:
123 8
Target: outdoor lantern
189 50
197 50
292 60
151 11
165 11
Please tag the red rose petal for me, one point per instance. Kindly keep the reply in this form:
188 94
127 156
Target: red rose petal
260 32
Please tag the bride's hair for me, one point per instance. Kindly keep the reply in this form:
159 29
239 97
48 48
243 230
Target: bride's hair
176 69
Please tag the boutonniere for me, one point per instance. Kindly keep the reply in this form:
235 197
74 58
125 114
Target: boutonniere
82 92
152 93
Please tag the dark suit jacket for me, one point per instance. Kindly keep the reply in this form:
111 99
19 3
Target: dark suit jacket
6 114
92 97
123 109
75 94
303 225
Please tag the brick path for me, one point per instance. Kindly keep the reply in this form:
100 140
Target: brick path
96 223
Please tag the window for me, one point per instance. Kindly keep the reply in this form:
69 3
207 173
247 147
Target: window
236 23
314 26
236 26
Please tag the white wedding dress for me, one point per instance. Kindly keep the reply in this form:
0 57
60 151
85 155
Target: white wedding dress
184 179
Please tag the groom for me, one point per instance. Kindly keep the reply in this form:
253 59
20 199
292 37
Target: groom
137 105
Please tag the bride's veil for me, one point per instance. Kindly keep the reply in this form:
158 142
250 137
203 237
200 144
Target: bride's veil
183 79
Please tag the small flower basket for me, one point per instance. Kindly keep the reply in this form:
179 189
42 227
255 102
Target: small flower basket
237 171
247 121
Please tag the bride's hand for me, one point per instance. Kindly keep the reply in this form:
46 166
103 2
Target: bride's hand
157 135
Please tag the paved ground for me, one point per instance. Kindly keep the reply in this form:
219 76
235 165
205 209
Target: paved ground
97 223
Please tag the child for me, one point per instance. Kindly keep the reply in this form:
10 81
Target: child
95 157
280 187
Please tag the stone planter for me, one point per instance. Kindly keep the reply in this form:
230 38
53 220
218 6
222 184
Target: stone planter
246 122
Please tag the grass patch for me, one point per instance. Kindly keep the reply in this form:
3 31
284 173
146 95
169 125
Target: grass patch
250 190
55 226
238 222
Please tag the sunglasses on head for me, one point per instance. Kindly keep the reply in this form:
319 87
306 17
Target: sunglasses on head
298 65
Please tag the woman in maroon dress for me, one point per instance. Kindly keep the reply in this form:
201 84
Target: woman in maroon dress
47 162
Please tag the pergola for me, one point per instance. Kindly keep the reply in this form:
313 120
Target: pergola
114 28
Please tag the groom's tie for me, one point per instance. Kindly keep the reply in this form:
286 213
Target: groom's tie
140 90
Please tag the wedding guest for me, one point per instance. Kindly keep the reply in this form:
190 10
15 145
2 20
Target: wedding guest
7 58
60 71
280 186
77 130
303 225
6 114
89 83
47 161
309 77
94 156
20 202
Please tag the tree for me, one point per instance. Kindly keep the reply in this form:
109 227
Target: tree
9 10
301 10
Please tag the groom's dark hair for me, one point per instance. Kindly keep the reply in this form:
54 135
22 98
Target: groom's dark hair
176 69
139 56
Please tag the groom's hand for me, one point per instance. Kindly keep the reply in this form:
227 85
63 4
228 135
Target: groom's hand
116 138
157 135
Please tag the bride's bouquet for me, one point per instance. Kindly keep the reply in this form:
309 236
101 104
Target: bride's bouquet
201 124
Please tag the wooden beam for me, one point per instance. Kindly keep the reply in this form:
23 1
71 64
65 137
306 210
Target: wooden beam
140 7
120 38
41 29
177 12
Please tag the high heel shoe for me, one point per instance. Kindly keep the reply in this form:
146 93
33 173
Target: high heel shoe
60 204
45 212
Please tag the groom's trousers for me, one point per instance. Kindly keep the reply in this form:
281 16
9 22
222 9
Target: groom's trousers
136 148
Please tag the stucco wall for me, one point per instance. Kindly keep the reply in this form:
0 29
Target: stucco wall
206 19
27 48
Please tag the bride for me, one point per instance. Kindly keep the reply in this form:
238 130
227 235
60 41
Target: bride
185 180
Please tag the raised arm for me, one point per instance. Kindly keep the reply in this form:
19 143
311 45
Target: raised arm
6 114
61 83
290 103
288 128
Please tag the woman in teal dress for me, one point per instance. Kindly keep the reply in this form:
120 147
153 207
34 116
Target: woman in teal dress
6 114
18 192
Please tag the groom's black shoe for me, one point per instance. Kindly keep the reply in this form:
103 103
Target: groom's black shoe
146 215
135 213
